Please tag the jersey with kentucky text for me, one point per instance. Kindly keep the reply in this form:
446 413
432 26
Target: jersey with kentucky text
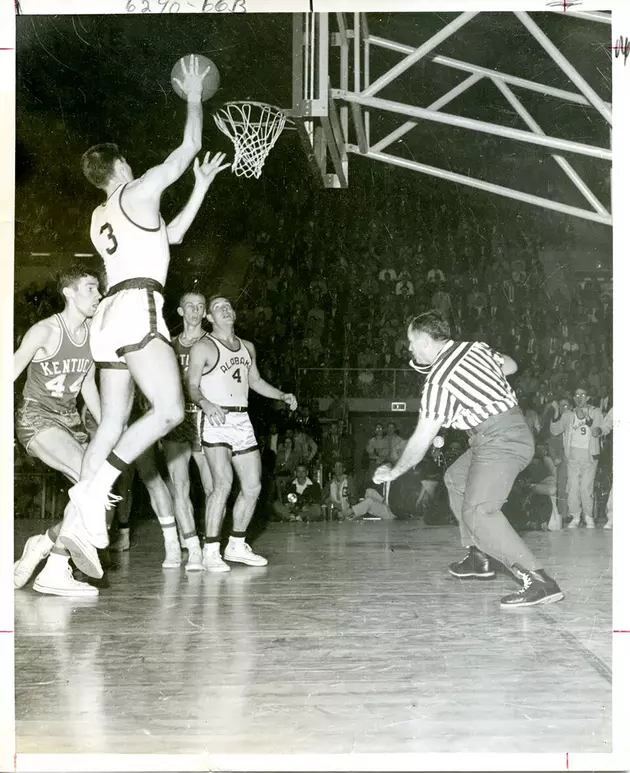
56 380
129 250
182 352
227 384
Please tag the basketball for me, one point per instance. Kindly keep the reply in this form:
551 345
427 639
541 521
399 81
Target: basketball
210 82
438 442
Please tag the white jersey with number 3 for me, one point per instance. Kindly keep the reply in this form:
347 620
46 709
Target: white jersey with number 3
227 384
129 251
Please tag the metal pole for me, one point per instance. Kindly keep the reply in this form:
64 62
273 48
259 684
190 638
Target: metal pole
458 64
560 160
323 80
564 64
482 185
481 126
599 16
418 53
343 64
298 60
437 105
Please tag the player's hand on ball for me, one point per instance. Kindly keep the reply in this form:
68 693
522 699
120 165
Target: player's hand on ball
191 82
291 401
215 414
206 172
383 474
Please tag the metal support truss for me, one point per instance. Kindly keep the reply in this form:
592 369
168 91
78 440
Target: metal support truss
330 137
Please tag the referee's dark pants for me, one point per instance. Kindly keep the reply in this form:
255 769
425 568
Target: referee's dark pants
480 481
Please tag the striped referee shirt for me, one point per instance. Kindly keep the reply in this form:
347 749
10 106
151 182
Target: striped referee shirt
465 386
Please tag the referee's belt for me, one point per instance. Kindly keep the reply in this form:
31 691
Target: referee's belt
492 420
137 283
234 408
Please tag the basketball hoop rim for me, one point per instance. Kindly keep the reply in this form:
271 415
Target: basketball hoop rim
289 123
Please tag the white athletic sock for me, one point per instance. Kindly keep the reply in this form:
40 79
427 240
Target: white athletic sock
57 563
104 478
169 530
192 543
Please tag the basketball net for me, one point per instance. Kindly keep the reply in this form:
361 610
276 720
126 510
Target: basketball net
254 128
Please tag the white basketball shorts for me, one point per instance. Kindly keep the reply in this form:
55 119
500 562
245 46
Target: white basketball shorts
126 320
237 433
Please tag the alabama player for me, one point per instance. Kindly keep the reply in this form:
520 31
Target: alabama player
56 355
129 338
221 371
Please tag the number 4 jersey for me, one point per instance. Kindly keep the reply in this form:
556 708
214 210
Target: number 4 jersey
129 250
227 384
56 380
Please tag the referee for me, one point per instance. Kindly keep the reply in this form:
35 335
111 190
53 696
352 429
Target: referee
466 389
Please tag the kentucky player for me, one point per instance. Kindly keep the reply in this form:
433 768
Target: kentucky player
56 355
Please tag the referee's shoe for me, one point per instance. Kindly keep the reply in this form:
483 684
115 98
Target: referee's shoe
476 565
538 588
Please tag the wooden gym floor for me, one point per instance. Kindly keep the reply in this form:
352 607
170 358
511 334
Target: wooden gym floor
354 639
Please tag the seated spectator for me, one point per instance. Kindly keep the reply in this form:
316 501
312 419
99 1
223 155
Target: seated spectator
341 498
541 477
286 462
302 500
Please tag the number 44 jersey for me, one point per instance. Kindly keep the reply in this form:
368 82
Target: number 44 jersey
227 384
129 250
55 381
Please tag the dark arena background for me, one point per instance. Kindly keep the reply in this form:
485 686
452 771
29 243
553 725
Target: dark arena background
355 638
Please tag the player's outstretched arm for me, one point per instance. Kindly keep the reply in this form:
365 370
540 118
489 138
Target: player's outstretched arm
89 391
259 385
203 357
34 339
151 185
204 177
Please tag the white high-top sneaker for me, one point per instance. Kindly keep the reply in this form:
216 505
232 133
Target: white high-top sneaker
56 579
212 561
36 549
239 551
194 563
590 523
173 559
574 524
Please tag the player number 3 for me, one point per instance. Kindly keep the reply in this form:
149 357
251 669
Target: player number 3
106 228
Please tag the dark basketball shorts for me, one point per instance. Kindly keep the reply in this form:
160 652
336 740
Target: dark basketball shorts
32 418
126 320
189 431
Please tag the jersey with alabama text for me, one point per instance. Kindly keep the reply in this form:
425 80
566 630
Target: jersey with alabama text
227 384
55 381
129 250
